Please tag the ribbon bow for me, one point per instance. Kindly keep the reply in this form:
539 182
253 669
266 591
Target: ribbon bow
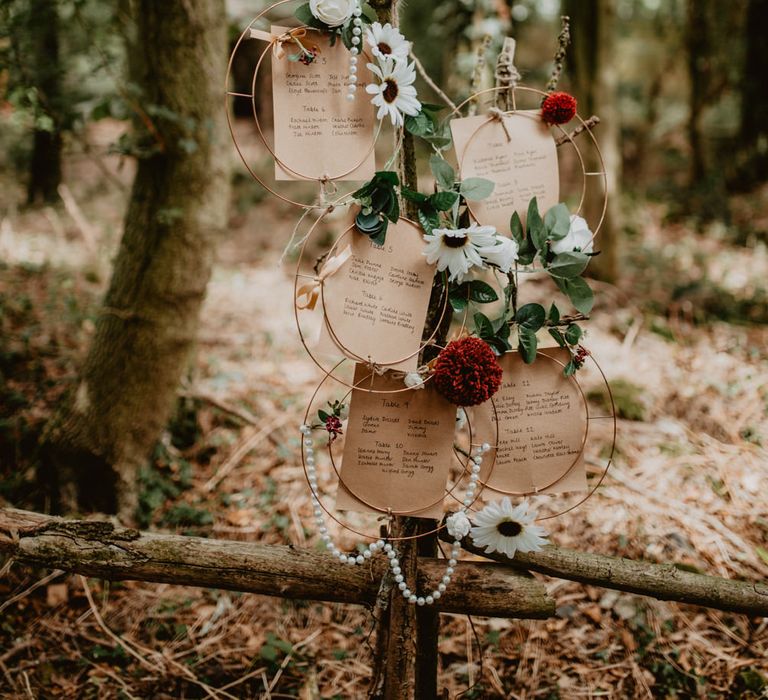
308 294
292 36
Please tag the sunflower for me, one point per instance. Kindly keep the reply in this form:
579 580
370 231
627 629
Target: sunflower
394 94
457 250
387 42
500 527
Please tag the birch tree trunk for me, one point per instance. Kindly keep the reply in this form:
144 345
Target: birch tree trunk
103 432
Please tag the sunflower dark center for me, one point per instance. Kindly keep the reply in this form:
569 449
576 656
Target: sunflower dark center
455 241
385 48
509 528
390 91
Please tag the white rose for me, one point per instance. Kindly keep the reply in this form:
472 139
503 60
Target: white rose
503 254
458 525
413 380
334 13
578 239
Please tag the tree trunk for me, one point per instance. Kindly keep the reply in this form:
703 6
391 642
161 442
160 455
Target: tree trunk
753 128
699 65
593 65
102 434
45 163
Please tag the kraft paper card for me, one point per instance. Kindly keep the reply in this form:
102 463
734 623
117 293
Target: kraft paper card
519 155
318 132
398 448
542 425
376 303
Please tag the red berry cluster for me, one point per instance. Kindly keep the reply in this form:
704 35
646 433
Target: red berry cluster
558 108
333 426
579 356
467 372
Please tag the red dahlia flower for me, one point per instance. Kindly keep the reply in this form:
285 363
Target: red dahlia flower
558 108
467 372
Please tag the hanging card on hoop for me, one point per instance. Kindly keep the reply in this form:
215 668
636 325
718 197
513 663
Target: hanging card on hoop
542 427
376 303
518 154
319 134
398 448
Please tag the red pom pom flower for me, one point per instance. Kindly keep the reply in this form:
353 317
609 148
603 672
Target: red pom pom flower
558 108
467 372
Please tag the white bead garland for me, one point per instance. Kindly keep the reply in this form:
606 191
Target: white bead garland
357 31
380 545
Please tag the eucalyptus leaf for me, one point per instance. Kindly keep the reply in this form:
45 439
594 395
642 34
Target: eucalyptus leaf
527 344
483 326
531 316
443 201
413 196
558 336
573 334
537 233
476 189
554 314
482 292
443 172
459 297
516 226
428 217
570 369
557 222
579 293
568 265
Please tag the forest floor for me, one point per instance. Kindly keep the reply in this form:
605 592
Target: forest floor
687 484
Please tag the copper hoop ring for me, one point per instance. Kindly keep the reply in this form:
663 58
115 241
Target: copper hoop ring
324 369
385 512
271 150
582 447
602 173
609 462
230 118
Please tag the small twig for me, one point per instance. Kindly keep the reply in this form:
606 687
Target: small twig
563 39
567 320
432 84
23 594
588 125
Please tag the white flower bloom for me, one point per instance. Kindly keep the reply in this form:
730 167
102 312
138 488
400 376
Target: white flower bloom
500 527
334 13
457 249
503 254
458 525
386 41
413 380
394 95
578 239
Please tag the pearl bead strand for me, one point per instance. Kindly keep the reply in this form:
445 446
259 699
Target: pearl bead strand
380 545
357 32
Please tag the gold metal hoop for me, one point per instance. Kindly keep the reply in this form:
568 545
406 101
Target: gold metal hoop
383 511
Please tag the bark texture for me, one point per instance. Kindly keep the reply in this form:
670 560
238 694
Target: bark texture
594 72
103 433
112 552
753 128
45 163
660 581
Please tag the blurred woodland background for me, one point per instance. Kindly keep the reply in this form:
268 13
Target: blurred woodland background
150 367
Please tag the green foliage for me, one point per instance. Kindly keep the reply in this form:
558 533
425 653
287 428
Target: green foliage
380 205
474 290
426 125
